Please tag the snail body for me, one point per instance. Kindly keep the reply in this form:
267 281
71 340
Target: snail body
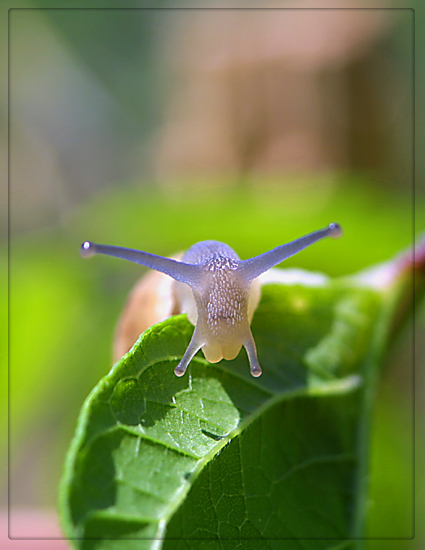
217 290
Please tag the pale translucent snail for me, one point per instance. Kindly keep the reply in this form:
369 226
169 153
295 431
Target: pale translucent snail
217 290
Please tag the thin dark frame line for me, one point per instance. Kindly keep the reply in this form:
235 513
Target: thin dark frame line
9 211
216 9
336 539
413 46
413 239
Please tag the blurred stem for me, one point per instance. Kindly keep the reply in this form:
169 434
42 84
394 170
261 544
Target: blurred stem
404 290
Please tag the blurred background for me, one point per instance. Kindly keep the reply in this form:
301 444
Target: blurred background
155 129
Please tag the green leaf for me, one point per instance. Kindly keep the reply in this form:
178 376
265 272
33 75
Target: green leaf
165 462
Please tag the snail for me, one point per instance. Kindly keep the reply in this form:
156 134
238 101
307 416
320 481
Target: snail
218 291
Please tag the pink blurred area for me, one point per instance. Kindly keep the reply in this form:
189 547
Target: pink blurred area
36 529
232 93
275 91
